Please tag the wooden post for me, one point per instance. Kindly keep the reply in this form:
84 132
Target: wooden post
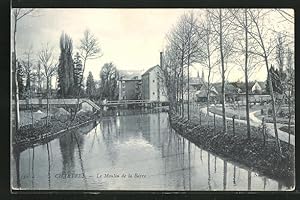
233 127
264 130
214 122
200 117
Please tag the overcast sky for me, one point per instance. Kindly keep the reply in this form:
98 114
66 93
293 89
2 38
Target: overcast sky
130 38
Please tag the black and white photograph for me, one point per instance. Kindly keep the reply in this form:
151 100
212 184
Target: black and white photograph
152 99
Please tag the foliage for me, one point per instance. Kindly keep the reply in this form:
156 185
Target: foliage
20 78
65 67
78 73
108 77
90 86
276 80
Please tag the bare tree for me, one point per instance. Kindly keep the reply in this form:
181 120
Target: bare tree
170 72
290 85
193 50
39 76
241 19
49 69
287 16
89 47
184 37
27 63
221 21
18 14
264 49
284 59
208 49
176 39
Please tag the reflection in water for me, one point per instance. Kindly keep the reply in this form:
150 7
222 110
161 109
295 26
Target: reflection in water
16 155
234 175
133 144
224 175
32 169
67 148
79 141
249 180
208 171
49 172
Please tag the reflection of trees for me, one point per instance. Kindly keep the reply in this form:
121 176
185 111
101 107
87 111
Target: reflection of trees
208 171
189 167
249 180
225 175
49 164
234 175
16 154
32 168
79 141
109 134
67 148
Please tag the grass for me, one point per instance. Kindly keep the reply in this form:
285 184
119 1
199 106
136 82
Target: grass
286 129
237 147
28 133
254 153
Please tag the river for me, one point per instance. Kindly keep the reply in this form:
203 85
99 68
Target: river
130 152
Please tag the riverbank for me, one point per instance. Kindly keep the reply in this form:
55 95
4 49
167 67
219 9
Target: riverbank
40 133
253 154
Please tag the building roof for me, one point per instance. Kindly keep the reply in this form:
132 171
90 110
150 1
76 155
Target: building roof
149 70
242 85
129 74
203 92
229 88
130 79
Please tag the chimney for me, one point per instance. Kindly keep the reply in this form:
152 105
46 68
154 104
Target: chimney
160 59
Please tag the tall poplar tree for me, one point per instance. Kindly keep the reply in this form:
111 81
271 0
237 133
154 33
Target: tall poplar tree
65 67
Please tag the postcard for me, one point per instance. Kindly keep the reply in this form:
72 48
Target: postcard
152 99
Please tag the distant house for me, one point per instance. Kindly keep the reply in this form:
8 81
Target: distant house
231 91
195 84
153 87
254 87
256 91
201 94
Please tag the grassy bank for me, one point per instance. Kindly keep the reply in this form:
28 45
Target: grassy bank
28 135
253 154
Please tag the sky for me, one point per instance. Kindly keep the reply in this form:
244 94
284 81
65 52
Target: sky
130 38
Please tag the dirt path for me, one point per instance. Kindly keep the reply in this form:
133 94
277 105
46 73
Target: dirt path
283 136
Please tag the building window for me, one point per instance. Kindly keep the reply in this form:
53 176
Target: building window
153 81
153 93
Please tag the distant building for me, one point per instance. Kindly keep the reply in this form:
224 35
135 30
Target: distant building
195 85
201 94
129 85
153 87
254 87
129 89
231 91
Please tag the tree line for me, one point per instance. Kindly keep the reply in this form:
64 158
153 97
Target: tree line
220 39
33 74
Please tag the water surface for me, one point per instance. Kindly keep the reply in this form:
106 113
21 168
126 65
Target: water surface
131 152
